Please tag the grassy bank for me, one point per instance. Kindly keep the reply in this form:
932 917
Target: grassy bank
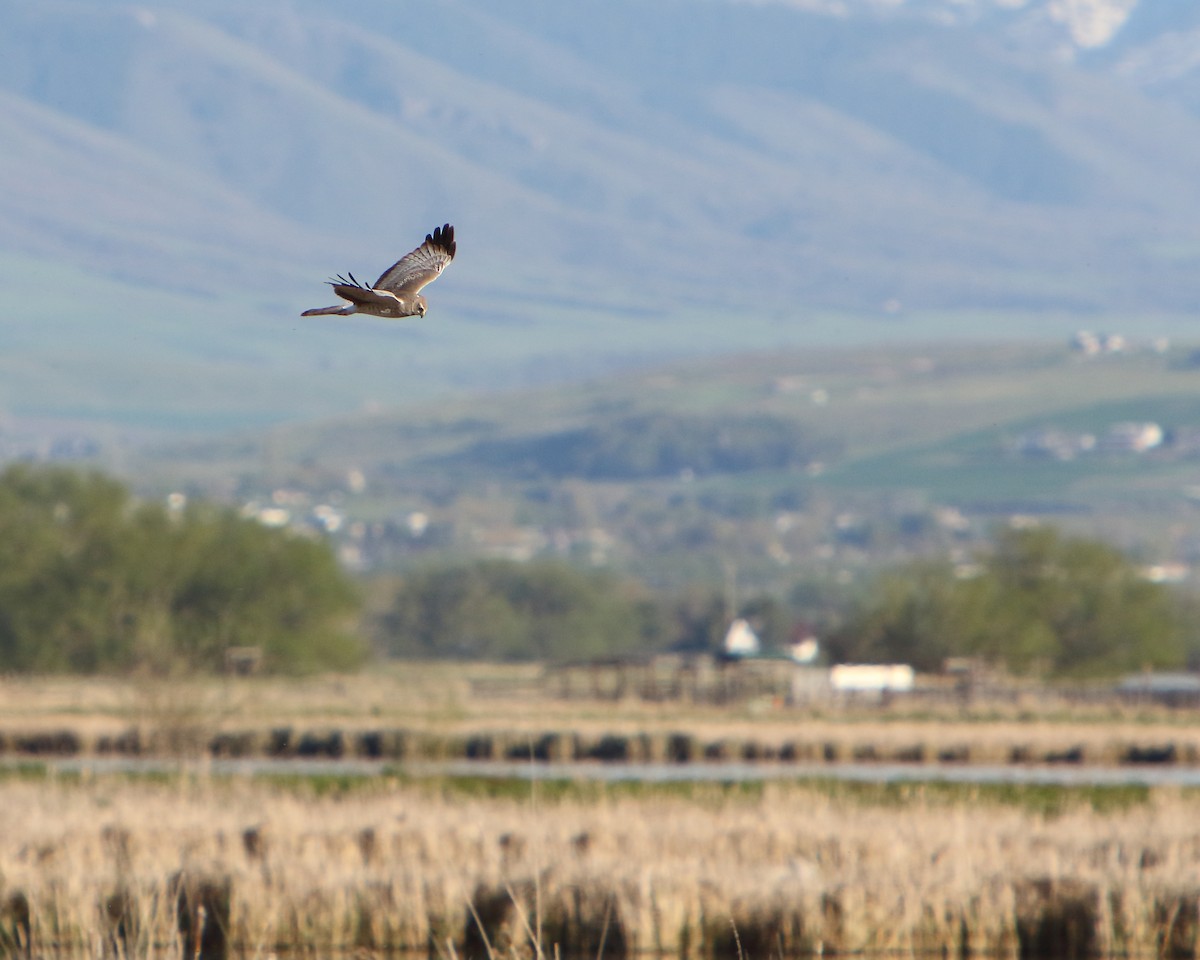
114 864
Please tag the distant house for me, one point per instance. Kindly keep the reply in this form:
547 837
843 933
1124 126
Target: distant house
1132 437
1092 344
741 640
804 645
1166 572
1086 342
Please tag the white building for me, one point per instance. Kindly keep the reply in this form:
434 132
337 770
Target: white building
1133 437
875 678
740 640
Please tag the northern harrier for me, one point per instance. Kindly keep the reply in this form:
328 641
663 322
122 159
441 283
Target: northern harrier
397 292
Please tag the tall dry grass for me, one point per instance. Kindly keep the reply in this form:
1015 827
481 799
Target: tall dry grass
788 871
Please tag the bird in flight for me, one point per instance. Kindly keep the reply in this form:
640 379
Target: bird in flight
397 292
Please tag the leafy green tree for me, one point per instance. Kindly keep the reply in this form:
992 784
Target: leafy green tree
59 555
500 609
697 619
1038 603
1095 612
911 616
240 583
91 580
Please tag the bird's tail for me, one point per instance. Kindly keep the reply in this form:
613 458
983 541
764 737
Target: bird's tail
343 310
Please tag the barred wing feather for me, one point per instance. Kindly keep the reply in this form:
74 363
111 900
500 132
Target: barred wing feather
422 266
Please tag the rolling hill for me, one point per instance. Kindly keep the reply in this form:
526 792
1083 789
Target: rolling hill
792 465
631 182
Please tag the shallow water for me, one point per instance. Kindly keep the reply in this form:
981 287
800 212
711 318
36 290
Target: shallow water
702 772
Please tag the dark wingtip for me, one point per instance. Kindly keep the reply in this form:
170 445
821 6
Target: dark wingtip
443 237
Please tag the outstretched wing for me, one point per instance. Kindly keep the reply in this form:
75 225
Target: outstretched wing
361 296
412 271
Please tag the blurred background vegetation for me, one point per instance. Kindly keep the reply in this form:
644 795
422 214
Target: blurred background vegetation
1037 603
94 580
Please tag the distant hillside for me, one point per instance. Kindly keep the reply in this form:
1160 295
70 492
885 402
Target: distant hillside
786 465
631 181
647 446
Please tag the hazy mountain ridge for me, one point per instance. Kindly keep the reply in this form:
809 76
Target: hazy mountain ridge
708 158
1057 24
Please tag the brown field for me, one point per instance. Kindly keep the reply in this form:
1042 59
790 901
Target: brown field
437 710
107 866
119 866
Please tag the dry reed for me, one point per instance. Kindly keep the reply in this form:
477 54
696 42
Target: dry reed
789 871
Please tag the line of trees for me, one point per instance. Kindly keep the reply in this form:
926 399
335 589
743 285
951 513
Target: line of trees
93 580
503 610
551 610
1036 603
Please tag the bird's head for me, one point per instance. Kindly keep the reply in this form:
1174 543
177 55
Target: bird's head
421 305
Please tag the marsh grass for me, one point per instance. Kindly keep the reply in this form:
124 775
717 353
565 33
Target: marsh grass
470 867
582 871
1047 800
